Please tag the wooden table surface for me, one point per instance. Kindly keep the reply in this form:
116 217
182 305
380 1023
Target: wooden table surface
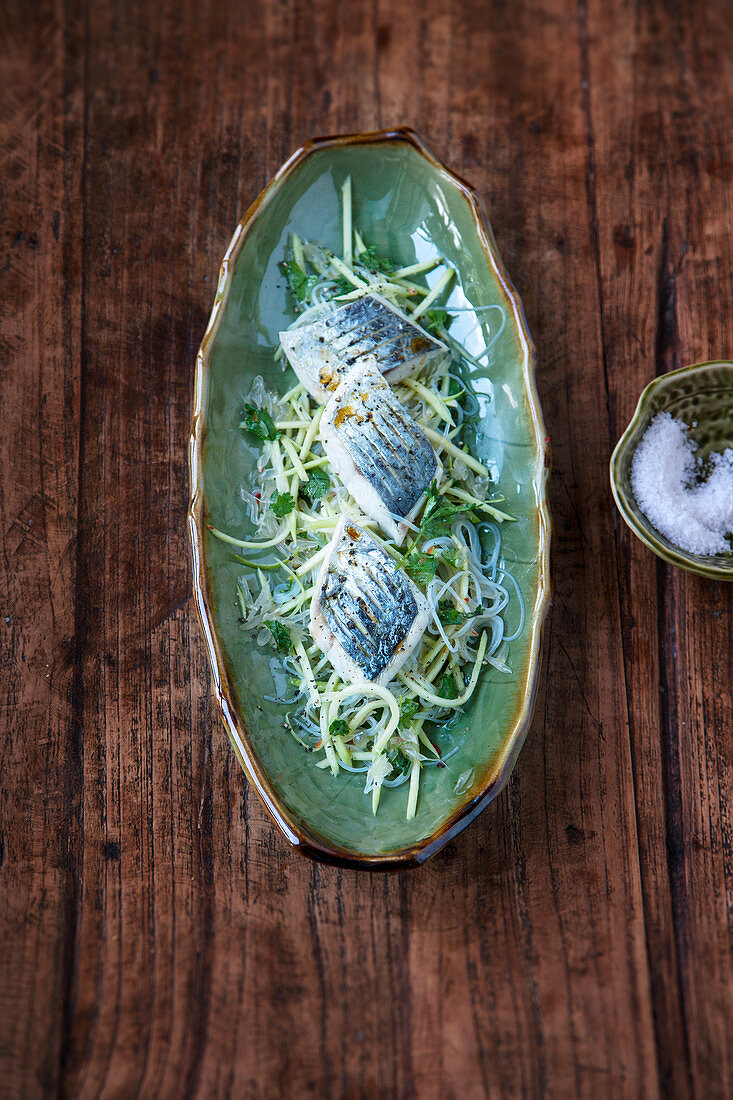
158 938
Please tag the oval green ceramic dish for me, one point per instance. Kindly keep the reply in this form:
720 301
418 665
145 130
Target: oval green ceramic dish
702 395
408 203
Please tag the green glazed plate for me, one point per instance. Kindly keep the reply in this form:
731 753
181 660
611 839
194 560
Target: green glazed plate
701 395
407 205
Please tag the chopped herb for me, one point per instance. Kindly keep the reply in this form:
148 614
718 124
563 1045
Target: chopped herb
436 318
280 635
447 688
299 283
449 614
339 287
317 484
439 514
282 504
260 423
339 728
399 762
374 262
408 710
421 567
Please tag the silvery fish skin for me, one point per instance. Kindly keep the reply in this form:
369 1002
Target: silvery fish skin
377 450
323 352
366 614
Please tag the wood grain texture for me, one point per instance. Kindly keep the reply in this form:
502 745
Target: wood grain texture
157 936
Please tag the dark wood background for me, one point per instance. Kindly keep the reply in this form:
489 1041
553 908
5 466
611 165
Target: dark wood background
157 936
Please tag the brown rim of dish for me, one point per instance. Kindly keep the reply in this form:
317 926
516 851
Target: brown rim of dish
300 837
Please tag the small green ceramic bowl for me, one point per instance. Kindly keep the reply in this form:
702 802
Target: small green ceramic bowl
701 395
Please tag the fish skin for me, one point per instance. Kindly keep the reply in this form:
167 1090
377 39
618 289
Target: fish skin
377 450
366 615
322 352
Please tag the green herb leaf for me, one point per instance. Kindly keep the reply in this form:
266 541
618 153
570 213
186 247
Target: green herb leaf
449 614
421 567
374 262
340 286
437 520
299 283
280 635
408 710
447 688
399 762
260 423
339 728
437 318
282 504
317 484
439 514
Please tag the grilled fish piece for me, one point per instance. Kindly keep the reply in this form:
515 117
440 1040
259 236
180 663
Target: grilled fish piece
366 614
322 352
376 448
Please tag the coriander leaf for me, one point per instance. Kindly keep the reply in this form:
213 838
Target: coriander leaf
399 762
449 615
421 567
282 504
374 262
408 710
447 688
260 423
439 514
339 728
280 635
340 286
317 484
436 318
299 283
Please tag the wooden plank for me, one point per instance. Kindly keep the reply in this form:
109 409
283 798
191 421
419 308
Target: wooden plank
140 965
41 136
664 212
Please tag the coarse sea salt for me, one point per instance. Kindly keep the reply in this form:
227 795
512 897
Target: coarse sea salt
666 478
